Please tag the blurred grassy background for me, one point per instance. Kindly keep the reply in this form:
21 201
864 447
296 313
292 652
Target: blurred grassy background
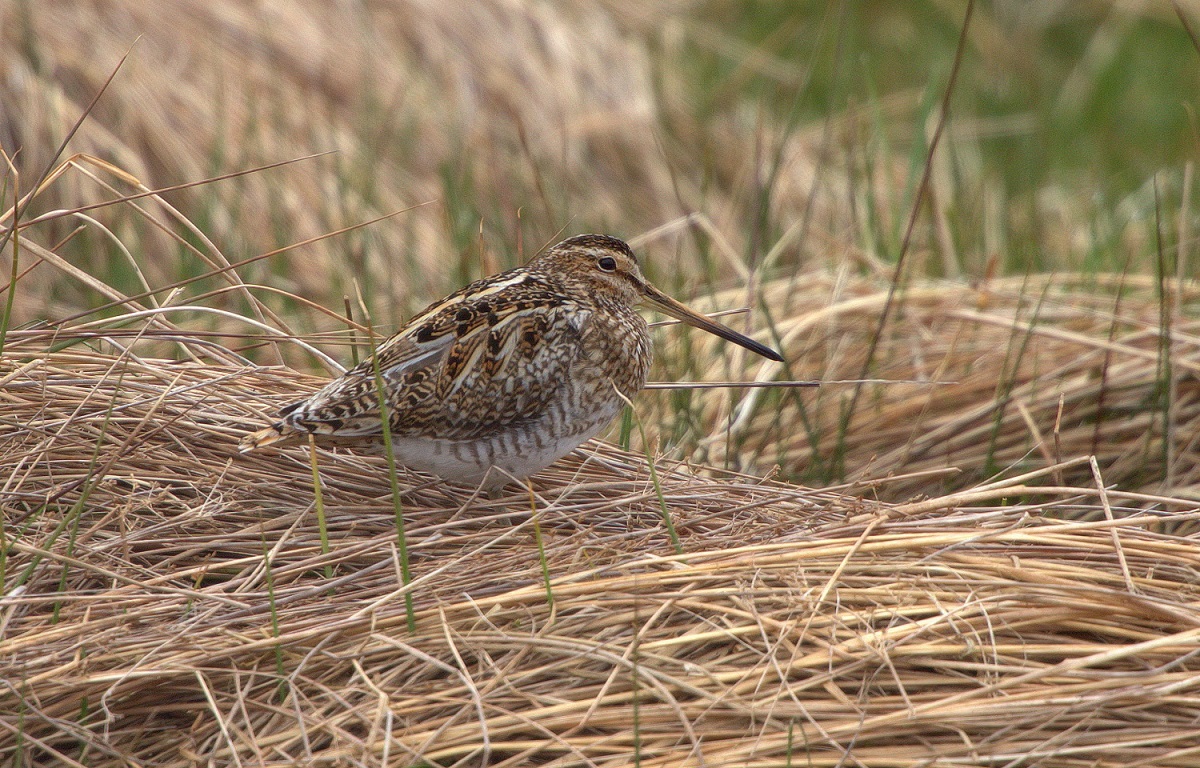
1063 115
521 120
737 143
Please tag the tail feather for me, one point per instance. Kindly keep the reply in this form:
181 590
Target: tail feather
326 415
276 433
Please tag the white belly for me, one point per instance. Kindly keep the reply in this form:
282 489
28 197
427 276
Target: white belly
517 453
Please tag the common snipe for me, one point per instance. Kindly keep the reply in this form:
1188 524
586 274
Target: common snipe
514 371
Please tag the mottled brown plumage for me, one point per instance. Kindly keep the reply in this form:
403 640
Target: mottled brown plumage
513 371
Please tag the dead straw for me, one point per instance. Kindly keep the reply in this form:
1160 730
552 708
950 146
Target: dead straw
1018 374
797 627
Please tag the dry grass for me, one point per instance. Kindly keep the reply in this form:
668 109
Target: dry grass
977 381
165 601
166 604
502 145
1005 377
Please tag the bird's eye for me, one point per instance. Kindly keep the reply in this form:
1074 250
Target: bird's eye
608 264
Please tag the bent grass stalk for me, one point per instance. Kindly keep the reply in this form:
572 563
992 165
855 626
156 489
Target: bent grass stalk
541 544
14 273
282 688
654 479
1163 397
1014 354
626 428
635 693
319 503
393 479
71 519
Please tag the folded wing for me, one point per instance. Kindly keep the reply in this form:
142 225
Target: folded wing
458 370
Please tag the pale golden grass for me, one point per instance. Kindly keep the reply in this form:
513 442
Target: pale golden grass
165 600
973 380
798 627
1005 376
522 120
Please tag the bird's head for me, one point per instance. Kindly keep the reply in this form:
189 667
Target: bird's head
608 268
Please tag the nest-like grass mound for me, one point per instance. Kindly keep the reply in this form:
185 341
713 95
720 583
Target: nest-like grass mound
168 602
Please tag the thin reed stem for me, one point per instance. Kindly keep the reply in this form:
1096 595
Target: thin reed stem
319 503
535 515
389 453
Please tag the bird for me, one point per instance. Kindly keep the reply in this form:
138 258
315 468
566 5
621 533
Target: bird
504 377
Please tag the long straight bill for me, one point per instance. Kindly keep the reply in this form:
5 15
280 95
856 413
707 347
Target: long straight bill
669 306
